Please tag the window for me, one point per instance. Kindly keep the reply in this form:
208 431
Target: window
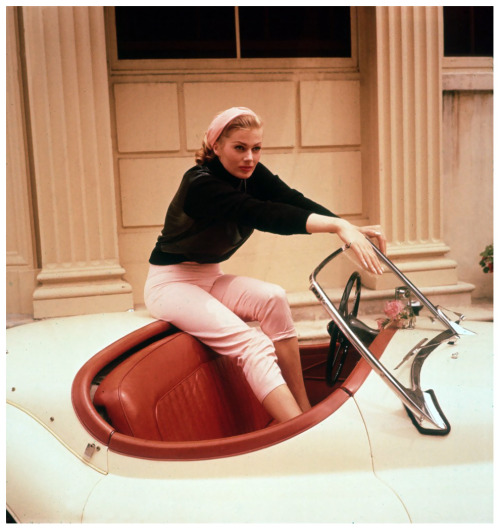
468 31
232 32
295 32
175 32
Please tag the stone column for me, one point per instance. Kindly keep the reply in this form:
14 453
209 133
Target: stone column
21 269
403 94
72 162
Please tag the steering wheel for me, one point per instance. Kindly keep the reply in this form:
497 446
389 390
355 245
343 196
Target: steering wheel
339 344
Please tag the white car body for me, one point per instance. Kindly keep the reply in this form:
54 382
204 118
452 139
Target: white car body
365 463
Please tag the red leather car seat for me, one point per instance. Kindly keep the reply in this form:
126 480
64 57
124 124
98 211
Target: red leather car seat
177 389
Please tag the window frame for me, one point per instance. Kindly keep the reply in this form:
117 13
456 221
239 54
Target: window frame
466 72
227 65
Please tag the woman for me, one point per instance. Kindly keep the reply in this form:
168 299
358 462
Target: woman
219 203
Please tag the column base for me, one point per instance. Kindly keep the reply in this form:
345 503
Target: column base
427 272
78 291
435 276
64 307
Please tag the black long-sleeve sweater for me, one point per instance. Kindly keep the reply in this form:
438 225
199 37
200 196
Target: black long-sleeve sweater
213 213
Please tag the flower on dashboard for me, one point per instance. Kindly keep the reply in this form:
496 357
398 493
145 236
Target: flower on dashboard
397 313
393 309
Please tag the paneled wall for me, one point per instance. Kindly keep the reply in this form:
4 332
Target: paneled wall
311 139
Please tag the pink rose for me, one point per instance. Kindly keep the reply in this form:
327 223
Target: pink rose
393 308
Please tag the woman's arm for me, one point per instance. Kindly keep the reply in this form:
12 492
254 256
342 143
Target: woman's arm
354 237
322 220
279 191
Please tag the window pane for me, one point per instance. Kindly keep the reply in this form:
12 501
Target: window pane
295 31
468 31
175 32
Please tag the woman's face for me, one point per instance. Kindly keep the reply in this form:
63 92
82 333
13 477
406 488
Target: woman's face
239 153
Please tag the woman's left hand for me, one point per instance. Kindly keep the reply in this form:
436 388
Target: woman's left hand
353 237
375 231
356 238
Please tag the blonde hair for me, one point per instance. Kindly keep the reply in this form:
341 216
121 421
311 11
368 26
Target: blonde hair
244 121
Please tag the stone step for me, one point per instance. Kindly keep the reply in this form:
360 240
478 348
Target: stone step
312 331
315 330
306 307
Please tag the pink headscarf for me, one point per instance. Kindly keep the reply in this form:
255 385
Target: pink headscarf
221 120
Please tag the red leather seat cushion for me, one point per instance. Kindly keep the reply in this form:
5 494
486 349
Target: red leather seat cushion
177 389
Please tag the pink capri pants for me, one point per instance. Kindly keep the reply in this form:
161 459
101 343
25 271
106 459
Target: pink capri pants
214 307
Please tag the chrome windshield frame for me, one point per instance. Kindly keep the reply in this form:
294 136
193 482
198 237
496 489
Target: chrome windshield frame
421 404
